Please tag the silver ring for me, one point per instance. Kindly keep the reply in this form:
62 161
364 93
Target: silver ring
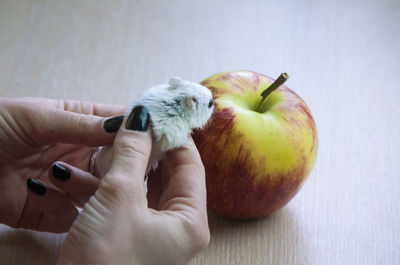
92 161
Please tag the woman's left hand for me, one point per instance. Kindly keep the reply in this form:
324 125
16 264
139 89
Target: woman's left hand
36 132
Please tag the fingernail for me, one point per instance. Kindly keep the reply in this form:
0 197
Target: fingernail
112 124
138 120
60 172
36 186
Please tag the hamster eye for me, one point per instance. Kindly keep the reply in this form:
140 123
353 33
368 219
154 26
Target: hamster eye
194 100
210 103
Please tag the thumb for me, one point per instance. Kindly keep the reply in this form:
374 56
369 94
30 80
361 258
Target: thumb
131 150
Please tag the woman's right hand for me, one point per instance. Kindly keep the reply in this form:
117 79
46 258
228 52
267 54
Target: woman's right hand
120 224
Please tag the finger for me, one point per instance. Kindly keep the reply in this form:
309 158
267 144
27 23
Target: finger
82 107
186 184
131 152
52 126
78 184
58 212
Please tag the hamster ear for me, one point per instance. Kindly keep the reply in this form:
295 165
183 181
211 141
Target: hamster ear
191 103
175 82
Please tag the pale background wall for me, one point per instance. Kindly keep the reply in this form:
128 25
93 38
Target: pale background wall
343 57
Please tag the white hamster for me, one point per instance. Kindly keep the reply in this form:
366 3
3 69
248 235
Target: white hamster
175 110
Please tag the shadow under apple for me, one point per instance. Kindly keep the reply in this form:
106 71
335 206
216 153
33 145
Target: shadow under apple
275 239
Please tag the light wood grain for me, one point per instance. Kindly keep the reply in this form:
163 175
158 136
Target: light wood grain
343 58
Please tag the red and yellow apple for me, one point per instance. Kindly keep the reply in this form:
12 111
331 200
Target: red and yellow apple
257 153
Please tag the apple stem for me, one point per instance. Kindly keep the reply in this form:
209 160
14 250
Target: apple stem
277 83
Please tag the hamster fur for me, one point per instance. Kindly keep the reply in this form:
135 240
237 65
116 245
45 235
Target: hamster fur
175 109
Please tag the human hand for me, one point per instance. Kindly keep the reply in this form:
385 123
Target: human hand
121 225
35 132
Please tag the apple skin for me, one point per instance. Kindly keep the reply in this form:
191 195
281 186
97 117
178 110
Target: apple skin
255 162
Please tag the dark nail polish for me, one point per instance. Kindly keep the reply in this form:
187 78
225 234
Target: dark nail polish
60 172
138 120
36 186
112 124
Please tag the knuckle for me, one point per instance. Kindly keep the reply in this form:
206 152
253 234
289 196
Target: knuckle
201 240
133 146
118 187
198 232
113 185
83 122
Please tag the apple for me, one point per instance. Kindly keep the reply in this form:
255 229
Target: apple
257 150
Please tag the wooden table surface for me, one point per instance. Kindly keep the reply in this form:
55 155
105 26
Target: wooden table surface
343 58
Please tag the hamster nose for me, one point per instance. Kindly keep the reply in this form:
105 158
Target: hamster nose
210 103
